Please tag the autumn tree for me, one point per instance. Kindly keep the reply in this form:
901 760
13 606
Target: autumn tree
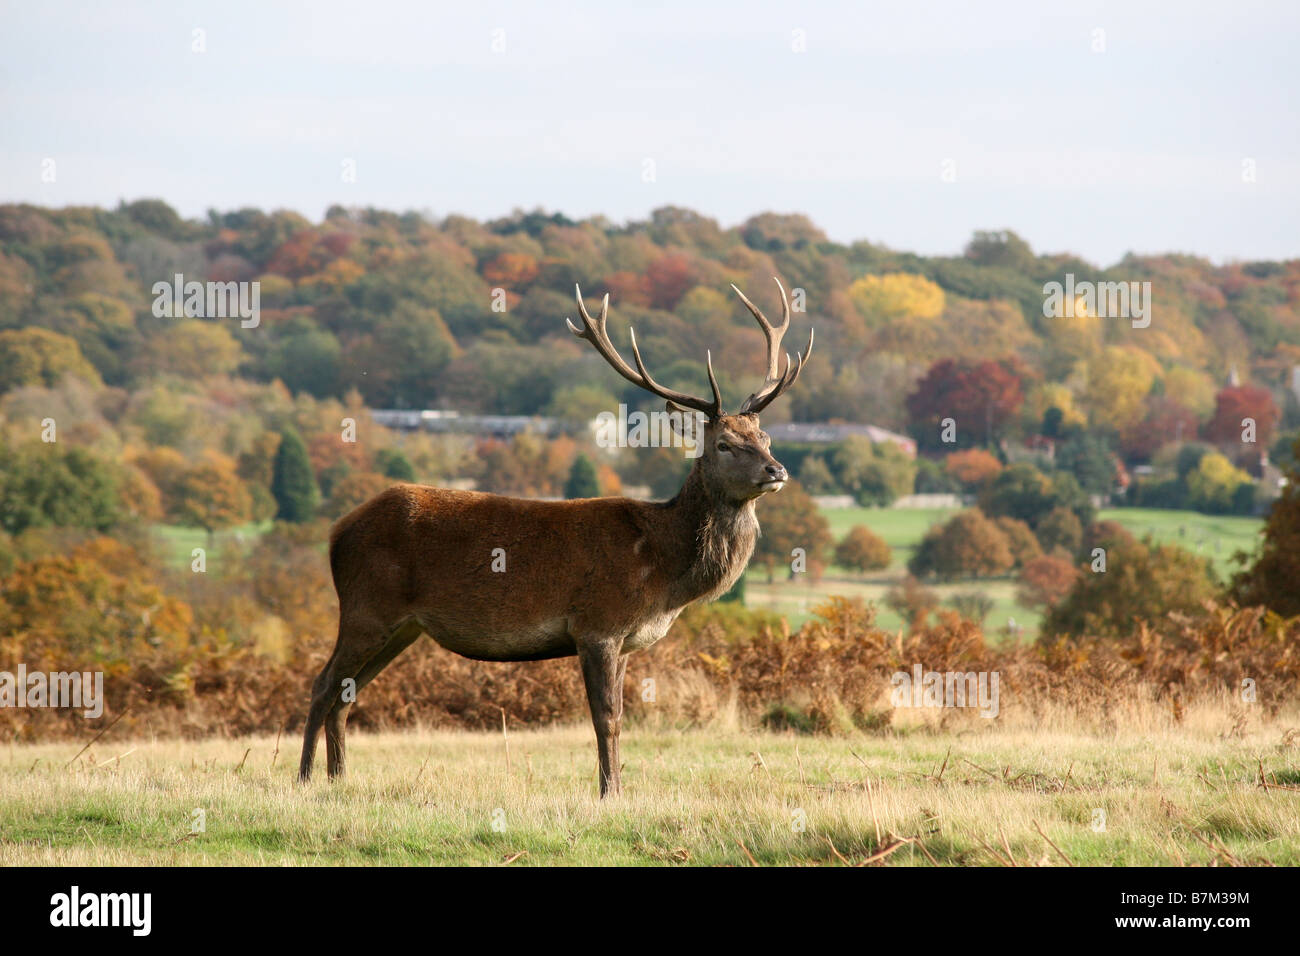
896 296
1142 582
1060 528
191 349
979 397
1273 578
1046 580
36 356
1236 404
1020 539
356 488
791 520
862 550
668 278
968 545
1118 383
211 495
98 601
1216 487
972 468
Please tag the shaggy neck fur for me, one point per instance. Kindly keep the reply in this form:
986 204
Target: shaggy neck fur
723 532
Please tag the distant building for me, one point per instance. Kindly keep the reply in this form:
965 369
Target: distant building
823 433
454 423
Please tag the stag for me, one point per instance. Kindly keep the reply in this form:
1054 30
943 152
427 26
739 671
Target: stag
495 578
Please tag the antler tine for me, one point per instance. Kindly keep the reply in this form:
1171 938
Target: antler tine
775 386
773 333
597 334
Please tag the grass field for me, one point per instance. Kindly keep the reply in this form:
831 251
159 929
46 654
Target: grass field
1217 537
178 542
977 793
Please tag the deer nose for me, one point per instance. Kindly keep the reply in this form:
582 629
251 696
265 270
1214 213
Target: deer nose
777 472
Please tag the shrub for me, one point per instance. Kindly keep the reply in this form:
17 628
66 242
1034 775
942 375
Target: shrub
862 550
974 606
912 601
969 545
1274 579
1020 539
1142 582
1046 580
1059 528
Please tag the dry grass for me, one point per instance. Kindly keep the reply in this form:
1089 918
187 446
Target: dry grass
957 791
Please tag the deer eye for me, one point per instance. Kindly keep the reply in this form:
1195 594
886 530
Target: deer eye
723 446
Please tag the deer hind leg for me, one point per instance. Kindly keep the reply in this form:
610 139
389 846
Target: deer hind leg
357 644
361 668
321 698
603 668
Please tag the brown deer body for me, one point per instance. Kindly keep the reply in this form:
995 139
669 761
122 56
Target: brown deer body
510 579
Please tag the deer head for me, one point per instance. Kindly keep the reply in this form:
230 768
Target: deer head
735 463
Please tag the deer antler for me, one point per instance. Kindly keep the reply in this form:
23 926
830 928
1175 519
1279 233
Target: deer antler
594 331
774 384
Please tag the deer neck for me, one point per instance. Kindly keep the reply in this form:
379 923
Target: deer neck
717 536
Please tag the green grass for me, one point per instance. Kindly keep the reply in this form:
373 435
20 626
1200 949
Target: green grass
1216 537
796 599
179 542
972 794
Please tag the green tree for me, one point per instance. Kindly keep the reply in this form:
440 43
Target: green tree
582 481
1022 491
393 463
40 357
293 485
1090 458
42 485
875 474
1142 582
1273 580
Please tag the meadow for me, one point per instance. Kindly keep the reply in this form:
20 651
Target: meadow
1215 789
1217 537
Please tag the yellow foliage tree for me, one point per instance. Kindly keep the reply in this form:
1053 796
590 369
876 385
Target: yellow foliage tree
898 295
1118 383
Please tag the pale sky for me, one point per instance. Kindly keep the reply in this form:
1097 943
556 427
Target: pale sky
848 112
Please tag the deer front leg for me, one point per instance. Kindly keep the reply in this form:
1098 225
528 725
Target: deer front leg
603 667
